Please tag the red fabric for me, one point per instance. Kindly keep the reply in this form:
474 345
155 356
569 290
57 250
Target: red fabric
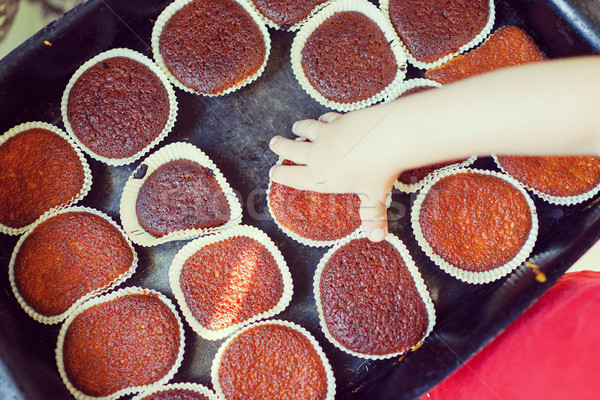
551 351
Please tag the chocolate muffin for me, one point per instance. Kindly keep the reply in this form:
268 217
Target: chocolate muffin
39 170
431 30
508 46
210 46
286 13
125 340
179 195
117 108
368 300
347 58
67 257
272 360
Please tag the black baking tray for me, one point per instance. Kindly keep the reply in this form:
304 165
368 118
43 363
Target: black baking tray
234 131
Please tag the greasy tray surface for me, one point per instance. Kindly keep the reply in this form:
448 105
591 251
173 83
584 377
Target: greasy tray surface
234 131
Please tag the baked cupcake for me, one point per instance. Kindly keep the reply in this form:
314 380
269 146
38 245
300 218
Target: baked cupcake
228 280
118 105
476 225
210 47
345 56
371 299
272 360
66 258
41 169
178 391
287 14
556 179
121 343
436 31
177 193
508 46
312 218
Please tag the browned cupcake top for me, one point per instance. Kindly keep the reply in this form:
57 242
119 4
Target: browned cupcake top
286 13
312 215
212 45
272 362
118 107
130 341
348 59
176 394
39 170
433 29
561 176
180 195
475 221
369 299
508 46
230 281
67 257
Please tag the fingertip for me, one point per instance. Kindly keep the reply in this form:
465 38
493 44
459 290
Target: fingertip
377 234
274 142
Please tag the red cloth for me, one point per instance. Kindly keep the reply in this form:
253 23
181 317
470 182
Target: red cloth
551 351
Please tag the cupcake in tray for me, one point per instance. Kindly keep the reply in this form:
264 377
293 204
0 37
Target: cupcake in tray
124 342
272 360
563 180
177 193
346 57
435 31
66 258
118 105
225 281
178 391
371 299
312 218
287 14
506 47
211 47
41 169
476 225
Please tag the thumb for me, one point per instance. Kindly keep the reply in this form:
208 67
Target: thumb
373 215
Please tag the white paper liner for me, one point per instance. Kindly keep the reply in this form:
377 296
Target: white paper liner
214 372
191 248
384 24
175 6
411 84
185 385
416 186
481 37
272 24
60 317
171 152
414 272
87 173
558 200
104 299
134 55
471 276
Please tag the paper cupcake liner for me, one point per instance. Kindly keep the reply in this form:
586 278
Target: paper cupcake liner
416 186
191 248
134 55
471 276
272 24
414 272
171 152
60 317
411 84
214 372
384 5
308 28
175 6
185 386
103 299
87 173
557 200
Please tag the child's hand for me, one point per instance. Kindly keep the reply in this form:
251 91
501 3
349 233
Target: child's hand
341 157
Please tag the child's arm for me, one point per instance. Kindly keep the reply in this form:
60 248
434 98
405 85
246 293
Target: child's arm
546 108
